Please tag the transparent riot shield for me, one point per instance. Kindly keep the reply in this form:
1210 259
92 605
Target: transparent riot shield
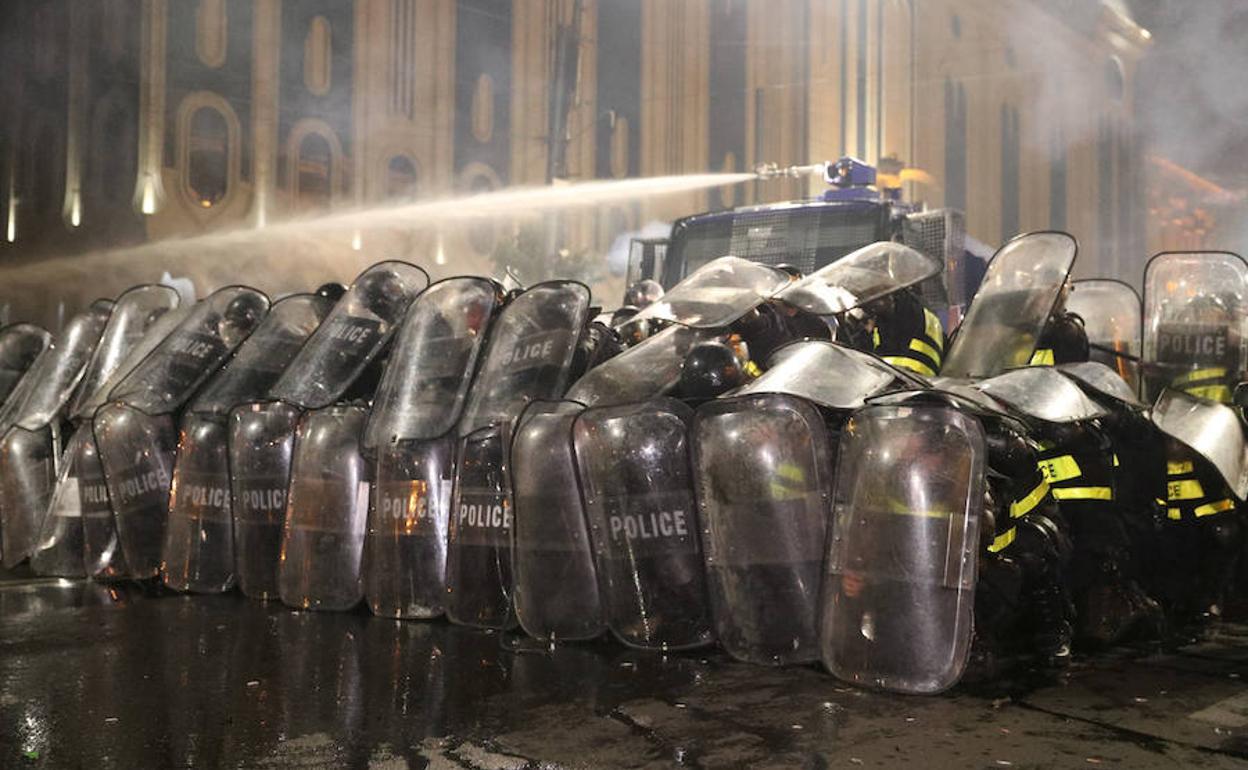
60 549
263 357
478 557
196 348
353 334
261 443
860 277
1103 380
638 492
326 512
198 550
648 369
89 399
20 345
763 476
426 380
1009 311
716 294
1111 316
1195 319
1043 393
1212 430
899 588
134 313
408 517
27 478
529 354
136 453
823 372
102 557
57 371
556 586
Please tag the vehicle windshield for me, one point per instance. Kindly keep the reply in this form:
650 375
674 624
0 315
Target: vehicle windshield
806 236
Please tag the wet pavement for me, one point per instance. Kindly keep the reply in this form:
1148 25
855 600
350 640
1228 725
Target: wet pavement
116 677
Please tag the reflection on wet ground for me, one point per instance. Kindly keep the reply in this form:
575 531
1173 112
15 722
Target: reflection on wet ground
120 677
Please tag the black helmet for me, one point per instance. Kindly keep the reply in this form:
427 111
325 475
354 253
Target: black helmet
709 369
242 315
1068 339
622 314
332 291
643 293
381 292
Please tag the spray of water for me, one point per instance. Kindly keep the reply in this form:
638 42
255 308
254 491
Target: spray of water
298 254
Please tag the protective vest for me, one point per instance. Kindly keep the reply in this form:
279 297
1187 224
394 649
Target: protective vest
1022 488
1078 462
910 336
1194 489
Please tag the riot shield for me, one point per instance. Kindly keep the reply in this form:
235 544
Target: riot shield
529 353
408 517
638 491
198 550
556 587
716 294
353 334
1103 380
56 372
1043 393
1014 301
20 345
763 476
1111 316
263 357
326 512
88 399
135 311
478 556
426 380
860 277
61 547
823 372
163 381
136 452
261 443
1214 431
27 478
102 556
648 369
899 587
1195 319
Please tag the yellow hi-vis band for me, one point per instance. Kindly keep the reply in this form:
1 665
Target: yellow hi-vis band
1178 468
1219 393
1042 357
1212 508
1185 489
752 369
919 346
934 328
875 338
1000 542
913 364
1083 493
1060 468
1025 506
1116 463
1211 373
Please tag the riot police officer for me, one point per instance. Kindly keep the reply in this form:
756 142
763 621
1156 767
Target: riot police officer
904 332
1064 340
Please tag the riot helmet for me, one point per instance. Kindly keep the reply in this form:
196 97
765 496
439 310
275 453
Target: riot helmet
643 293
332 291
710 369
241 316
382 293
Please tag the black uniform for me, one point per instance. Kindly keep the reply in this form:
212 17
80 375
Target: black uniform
1063 341
907 334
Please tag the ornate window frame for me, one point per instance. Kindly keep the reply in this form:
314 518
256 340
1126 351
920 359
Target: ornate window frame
301 130
192 103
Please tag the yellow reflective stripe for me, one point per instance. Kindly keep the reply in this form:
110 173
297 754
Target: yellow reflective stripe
1042 357
790 471
1116 463
1060 468
919 346
1028 503
1219 393
1211 373
1212 508
1083 493
1185 489
934 329
1174 513
913 364
752 369
1000 542
875 338
1178 468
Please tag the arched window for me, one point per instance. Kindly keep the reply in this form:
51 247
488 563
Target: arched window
208 157
314 173
1010 172
478 178
317 57
401 177
955 145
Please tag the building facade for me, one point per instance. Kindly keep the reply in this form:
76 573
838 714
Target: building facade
142 121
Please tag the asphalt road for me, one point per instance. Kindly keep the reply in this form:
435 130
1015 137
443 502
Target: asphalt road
98 677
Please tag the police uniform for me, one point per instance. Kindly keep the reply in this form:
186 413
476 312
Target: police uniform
909 335
1064 341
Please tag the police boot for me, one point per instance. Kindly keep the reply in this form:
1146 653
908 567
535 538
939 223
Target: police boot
1106 610
1053 632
